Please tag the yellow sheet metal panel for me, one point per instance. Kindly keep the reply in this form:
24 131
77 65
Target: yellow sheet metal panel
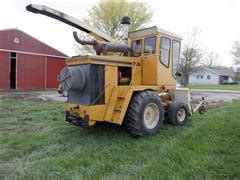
103 60
114 111
111 104
111 78
113 60
164 73
149 69
125 96
120 100
95 112
136 72
75 60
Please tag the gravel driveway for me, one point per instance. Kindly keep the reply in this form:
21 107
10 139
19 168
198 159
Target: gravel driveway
212 96
215 96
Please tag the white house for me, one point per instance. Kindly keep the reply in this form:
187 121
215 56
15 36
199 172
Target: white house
211 76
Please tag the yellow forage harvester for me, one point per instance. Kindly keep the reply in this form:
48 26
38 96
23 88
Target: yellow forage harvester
136 88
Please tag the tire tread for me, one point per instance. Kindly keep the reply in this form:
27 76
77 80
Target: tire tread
132 120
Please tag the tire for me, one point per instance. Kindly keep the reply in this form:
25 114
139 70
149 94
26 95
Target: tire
202 110
178 114
145 114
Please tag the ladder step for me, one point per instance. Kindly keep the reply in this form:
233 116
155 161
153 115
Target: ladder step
117 109
121 97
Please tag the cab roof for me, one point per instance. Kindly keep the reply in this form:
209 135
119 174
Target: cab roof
152 31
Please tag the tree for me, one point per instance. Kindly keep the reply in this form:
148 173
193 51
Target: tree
210 60
189 60
107 14
236 52
190 56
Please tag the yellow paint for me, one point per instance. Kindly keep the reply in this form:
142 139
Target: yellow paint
147 74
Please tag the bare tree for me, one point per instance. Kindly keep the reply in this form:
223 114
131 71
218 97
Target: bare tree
210 60
236 52
190 56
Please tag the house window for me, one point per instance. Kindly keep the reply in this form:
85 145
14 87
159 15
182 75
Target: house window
208 77
197 76
201 76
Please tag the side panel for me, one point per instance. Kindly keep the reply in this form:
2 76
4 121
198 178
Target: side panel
114 111
164 73
120 100
4 70
149 69
30 72
54 66
111 80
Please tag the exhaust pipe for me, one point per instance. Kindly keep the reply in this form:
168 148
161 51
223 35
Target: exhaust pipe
125 21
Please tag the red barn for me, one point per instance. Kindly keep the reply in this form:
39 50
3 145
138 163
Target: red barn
27 63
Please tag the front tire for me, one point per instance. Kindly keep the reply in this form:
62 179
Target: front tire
178 114
145 114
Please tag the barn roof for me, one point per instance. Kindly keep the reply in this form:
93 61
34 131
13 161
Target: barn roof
19 41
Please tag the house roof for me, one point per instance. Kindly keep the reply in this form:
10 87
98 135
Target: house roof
17 40
224 72
221 72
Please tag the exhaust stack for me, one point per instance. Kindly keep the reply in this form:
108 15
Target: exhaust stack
125 21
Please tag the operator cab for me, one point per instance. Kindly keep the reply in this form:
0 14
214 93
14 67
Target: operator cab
160 52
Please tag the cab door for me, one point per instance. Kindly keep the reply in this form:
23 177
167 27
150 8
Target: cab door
149 61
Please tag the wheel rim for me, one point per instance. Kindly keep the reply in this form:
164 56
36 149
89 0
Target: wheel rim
151 115
181 114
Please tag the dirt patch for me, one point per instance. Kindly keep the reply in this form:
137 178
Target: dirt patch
213 98
35 96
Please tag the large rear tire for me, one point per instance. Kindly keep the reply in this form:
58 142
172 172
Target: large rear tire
145 114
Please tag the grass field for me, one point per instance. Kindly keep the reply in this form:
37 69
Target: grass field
36 143
235 87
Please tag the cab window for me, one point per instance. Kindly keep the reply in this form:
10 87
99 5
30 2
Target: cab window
150 45
175 56
165 51
137 47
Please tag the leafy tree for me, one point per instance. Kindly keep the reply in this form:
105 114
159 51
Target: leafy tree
236 52
107 14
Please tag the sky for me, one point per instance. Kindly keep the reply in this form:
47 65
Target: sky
217 21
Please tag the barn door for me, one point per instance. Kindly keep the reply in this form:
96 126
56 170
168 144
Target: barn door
13 62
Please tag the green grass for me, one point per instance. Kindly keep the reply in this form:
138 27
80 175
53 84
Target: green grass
36 143
235 87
